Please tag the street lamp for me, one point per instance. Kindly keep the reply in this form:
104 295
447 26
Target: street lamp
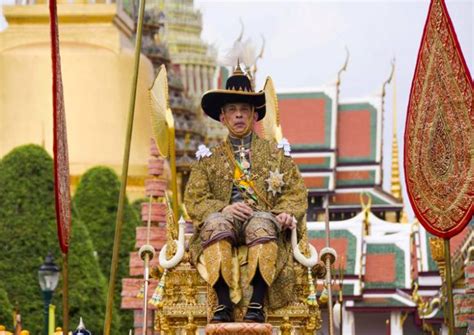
48 275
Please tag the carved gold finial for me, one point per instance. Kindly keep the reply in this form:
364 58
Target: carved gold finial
437 252
156 323
190 327
238 70
310 326
366 205
286 326
437 249
165 326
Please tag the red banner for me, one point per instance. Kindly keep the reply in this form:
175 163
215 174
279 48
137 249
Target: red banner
439 130
60 149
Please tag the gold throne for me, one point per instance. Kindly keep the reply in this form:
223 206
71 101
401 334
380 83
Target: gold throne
184 302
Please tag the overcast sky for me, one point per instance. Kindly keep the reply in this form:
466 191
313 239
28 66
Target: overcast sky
305 43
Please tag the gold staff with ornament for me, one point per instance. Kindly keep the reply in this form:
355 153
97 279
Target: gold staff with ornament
162 123
438 142
124 178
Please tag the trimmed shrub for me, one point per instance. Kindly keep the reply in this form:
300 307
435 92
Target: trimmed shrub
28 233
6 309
27 228
87 284
95 203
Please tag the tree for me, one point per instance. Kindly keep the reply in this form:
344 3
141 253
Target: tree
95 203
28 233
27 228
87 284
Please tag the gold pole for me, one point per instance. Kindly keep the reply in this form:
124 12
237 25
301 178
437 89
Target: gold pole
328 266
174 182
146 254
65 294
449 287
145 293
123 185
341 296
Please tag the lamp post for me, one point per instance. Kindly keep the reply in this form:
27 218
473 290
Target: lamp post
48 275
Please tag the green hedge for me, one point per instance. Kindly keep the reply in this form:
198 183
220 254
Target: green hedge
28 233
87 284
27 228
95 203
6 309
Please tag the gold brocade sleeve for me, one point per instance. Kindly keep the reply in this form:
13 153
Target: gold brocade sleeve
199 200
294 197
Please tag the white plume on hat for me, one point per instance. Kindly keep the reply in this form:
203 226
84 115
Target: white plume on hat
3 20
243 52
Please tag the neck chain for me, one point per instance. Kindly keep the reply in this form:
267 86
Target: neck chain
242 151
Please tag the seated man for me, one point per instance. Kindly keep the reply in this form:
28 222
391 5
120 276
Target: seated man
246 191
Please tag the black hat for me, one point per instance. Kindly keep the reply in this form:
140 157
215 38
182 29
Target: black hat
237 89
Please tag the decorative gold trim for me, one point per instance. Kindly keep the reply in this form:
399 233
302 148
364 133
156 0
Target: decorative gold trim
221 91
264 257
218 260
68 13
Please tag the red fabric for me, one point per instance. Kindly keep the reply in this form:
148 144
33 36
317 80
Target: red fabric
438 155
60 149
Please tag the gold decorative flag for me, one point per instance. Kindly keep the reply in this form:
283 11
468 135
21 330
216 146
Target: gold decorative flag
439 132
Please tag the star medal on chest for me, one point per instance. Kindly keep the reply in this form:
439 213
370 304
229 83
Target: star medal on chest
275 182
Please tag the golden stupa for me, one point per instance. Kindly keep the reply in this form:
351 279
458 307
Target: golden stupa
97 68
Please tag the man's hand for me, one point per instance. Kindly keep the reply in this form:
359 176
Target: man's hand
239 210
286 221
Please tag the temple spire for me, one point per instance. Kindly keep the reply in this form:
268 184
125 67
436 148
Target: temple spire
382 108
396 187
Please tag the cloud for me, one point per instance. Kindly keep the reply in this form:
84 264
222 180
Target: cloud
3 21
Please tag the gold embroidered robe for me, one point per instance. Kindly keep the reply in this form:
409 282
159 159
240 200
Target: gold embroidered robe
209 190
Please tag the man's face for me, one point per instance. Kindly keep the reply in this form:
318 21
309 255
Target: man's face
238 117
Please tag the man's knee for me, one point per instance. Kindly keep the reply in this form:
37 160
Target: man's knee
217 227
261 228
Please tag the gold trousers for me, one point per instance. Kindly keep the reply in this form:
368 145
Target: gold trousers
229 244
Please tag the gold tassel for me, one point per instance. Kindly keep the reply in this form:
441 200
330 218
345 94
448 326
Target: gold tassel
324 297
157 296
141 292
311 300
